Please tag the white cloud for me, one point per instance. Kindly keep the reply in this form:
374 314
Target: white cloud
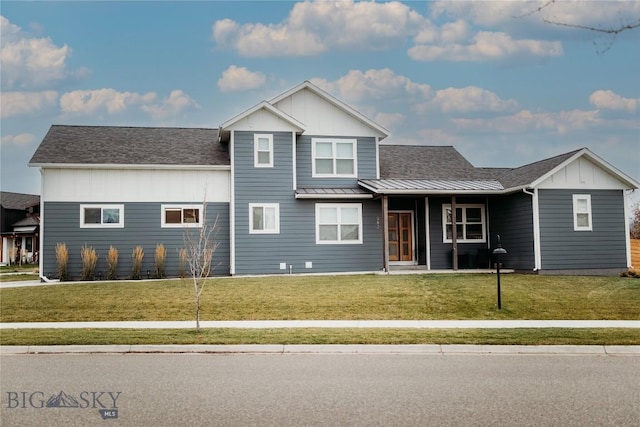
485 46
240 78
29 62
372 84
527 121
437 137
110 101
513 14
86 102
177 103
24 103
609 100
317 26
389 120
466 100
20 140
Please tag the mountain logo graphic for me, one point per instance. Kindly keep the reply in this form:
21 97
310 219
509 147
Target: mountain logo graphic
62 400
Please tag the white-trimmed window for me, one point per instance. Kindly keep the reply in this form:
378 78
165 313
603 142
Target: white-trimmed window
470 223
582 219
334 157
339 223
264 218
263 150
101 216
181 216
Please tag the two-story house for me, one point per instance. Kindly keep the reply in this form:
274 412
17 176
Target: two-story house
302 184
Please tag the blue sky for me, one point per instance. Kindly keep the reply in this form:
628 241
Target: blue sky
490 78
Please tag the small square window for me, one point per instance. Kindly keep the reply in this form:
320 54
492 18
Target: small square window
264 218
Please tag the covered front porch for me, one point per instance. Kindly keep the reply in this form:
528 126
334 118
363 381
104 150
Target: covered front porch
419 236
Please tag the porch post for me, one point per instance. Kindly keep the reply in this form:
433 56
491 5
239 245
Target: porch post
385 232
454 234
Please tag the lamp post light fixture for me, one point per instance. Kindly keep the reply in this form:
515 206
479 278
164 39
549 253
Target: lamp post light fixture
497 252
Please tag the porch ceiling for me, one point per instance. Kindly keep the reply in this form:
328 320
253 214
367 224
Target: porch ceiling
431 186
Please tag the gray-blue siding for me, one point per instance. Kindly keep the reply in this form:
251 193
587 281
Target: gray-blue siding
296 242
141 227
511 217
562 248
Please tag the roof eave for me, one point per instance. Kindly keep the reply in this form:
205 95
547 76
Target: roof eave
127 166
297 125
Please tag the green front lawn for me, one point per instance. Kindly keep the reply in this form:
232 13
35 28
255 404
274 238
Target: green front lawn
377 297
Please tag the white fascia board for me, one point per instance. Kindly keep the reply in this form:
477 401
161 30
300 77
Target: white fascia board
336 102
300 127
621 176
128 166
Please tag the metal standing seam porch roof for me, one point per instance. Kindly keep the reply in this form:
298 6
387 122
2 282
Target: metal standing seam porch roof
431 186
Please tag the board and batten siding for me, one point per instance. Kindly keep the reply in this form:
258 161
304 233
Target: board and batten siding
366 157
562 248
117 185
295 244
142 227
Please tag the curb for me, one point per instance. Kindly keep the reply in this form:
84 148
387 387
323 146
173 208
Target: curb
424 349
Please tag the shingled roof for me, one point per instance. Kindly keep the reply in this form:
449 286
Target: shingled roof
111 145
18 201
424 162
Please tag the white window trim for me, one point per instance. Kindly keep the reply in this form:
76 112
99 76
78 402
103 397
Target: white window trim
163 224
102 225
256 137
339 206
483 217
576 198
275 230
353 141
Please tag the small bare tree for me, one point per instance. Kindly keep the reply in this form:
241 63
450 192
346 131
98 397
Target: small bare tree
635 222
199 246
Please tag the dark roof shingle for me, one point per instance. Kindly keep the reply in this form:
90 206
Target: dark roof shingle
424 162
18 201
131 146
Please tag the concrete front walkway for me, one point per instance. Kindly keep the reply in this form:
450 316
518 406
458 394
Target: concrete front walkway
280 324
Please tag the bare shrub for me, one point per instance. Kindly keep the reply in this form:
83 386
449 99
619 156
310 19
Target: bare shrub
136 258
89 261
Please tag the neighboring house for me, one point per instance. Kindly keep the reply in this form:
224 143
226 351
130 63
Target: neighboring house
302 184
19 227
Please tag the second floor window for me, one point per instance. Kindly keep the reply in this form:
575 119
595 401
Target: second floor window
263 150
334 157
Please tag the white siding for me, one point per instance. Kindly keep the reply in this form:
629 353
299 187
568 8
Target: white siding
582 173
321 117
130 185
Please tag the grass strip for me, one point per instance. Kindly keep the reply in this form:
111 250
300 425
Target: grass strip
356 297
525 336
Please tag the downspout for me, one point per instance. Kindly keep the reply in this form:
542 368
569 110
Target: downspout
385 233
232 209
536 228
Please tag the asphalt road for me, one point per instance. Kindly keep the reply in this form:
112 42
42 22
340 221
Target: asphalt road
319 390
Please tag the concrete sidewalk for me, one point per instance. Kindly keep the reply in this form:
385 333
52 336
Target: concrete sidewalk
286 324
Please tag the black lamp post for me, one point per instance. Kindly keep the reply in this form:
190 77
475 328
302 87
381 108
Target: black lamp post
497 252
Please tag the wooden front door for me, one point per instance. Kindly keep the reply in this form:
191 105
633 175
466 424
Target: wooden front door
400 236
